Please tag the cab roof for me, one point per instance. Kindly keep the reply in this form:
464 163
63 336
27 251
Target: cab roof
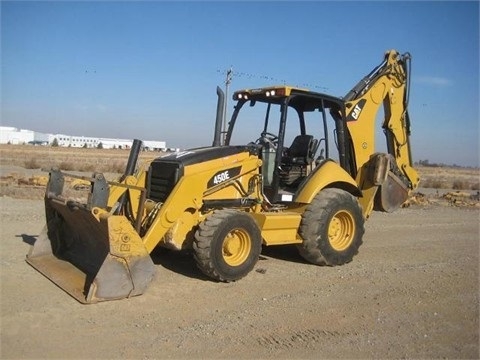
301 98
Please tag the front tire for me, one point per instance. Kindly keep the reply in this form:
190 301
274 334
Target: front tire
332 228
227 245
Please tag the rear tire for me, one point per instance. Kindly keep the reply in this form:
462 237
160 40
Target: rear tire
332 228
227 245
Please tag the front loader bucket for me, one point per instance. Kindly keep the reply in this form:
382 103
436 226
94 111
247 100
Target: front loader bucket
92 259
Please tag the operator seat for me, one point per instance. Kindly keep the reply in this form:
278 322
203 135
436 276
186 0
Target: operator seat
302 151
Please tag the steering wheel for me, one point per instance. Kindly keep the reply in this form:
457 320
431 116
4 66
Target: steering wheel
268 138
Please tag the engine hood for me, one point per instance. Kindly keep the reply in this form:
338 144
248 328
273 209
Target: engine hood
199 155
166 171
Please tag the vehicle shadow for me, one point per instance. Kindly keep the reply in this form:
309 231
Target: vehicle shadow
180 262
28 239
283 252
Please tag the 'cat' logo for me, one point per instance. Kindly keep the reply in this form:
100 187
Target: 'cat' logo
355 113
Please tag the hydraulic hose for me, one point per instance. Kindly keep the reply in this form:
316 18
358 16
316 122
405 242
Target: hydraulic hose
362 84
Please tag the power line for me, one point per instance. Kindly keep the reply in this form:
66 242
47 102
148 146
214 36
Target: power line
240 74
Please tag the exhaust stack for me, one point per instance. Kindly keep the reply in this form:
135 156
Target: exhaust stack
217 138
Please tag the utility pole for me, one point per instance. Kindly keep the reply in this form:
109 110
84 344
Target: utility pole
228 80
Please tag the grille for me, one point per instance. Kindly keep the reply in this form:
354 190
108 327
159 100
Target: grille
162 178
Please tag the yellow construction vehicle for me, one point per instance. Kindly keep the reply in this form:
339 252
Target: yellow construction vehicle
293 167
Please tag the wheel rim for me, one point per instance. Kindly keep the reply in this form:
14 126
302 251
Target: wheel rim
341 230
236 247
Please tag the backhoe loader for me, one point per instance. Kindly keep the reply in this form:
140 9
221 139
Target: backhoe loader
293 167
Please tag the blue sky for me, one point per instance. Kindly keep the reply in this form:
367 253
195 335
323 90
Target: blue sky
149 70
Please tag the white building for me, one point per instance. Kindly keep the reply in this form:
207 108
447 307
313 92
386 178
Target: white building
73 141
12 135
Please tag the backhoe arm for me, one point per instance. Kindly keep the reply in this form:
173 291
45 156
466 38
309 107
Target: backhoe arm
387 85
385 179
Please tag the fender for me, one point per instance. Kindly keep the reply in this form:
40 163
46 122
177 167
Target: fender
328 174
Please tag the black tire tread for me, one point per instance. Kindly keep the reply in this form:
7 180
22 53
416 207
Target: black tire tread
317 216
203 240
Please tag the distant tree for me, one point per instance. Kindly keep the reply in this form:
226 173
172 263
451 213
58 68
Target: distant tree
100 145
55 143
85 145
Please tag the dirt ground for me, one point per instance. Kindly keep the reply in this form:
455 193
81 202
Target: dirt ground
411 292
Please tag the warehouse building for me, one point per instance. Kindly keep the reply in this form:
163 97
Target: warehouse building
12 135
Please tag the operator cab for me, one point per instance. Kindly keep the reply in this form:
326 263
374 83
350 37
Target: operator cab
295 133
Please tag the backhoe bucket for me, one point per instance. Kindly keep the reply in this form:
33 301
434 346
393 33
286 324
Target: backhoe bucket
91 258
391 194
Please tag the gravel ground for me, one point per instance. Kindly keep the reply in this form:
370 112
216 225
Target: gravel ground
411 292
